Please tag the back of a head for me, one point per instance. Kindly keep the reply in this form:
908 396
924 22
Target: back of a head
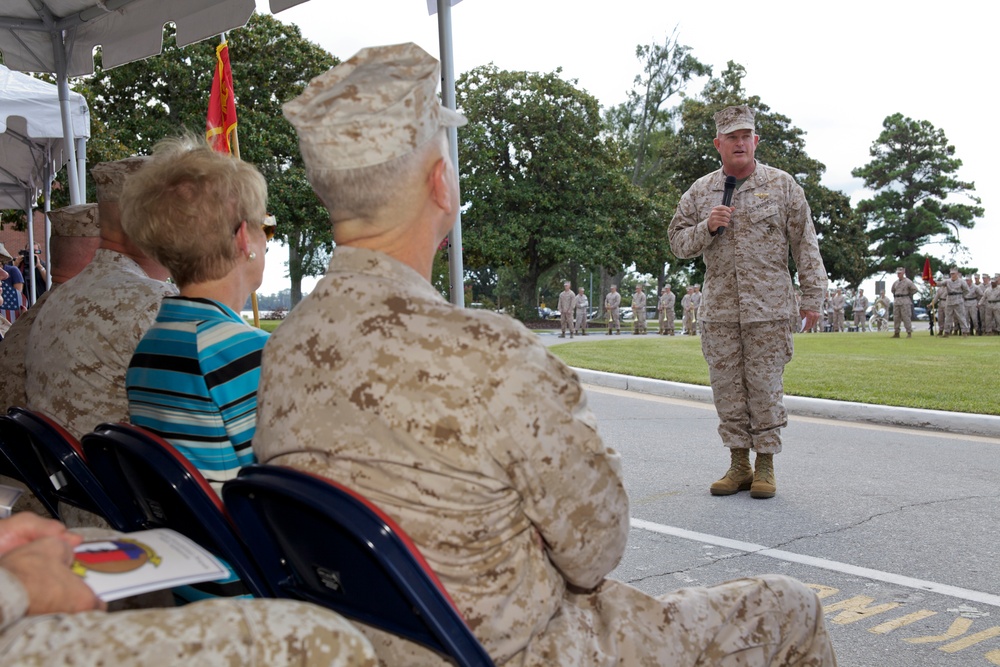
368 126
75 236
110 178
184 207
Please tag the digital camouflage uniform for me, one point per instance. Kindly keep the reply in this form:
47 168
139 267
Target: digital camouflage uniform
639 312
860 310
748 298
696 298
12 352
566 300
612 302
219 633
582 307
70 224
461 426
83 339
687 318
665 309
991 324
984 317
902 304
939 302
955 305
972 305
839 303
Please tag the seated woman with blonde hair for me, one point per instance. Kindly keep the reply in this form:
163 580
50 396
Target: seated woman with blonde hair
193 377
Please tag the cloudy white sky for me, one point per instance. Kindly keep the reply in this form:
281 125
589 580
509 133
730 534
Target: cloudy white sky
836 69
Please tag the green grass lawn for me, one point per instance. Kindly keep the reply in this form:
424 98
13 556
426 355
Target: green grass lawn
957 374
268 325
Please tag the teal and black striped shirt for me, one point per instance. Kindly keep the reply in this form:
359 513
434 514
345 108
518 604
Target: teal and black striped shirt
193 381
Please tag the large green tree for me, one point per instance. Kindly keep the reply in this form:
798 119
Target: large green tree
841 234
142 102
918 195
543 187
643 126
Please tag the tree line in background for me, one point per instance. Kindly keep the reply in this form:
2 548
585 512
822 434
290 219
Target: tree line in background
555 188
557 193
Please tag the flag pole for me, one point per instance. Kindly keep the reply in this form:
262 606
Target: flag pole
234 150
235 143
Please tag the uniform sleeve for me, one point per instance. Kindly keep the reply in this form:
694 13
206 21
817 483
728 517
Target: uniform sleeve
570 482
805 251
688 232
13 600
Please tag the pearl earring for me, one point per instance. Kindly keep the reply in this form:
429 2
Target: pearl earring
252 256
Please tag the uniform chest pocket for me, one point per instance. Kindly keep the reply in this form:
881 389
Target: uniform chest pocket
764 219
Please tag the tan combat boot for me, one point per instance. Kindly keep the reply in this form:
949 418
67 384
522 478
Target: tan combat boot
763 477
739 476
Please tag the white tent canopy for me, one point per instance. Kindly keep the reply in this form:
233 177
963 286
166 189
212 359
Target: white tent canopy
32 144
60 36
31 135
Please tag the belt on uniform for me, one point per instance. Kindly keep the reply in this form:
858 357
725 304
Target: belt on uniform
954 293
997 301
970 298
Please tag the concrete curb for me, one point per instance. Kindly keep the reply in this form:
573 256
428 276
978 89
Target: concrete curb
938 420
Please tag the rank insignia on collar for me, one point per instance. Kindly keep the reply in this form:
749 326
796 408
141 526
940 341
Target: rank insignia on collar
762 195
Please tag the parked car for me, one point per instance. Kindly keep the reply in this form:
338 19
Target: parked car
920 313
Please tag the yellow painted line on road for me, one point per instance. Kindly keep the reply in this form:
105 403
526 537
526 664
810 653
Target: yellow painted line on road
821 563
623 393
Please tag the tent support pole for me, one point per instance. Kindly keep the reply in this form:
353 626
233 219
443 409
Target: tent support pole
59 50
456 271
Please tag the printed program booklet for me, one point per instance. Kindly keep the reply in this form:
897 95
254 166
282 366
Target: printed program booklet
148 560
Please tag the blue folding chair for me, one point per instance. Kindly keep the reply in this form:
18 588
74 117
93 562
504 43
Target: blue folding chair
318 541
158 487
51 463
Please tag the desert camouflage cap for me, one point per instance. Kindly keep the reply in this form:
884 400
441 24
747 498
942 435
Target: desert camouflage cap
731 119
109 177
900 269
77 220
953 269
379 105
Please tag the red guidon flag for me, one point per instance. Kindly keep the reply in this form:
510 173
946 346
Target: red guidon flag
928 278
221 103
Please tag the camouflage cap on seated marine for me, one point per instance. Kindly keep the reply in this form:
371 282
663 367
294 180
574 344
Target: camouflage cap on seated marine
379 105
731 119
109 177
75 221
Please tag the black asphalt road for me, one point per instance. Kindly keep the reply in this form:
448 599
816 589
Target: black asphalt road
895 528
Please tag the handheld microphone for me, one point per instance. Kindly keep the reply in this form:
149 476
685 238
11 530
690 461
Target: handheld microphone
727 195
